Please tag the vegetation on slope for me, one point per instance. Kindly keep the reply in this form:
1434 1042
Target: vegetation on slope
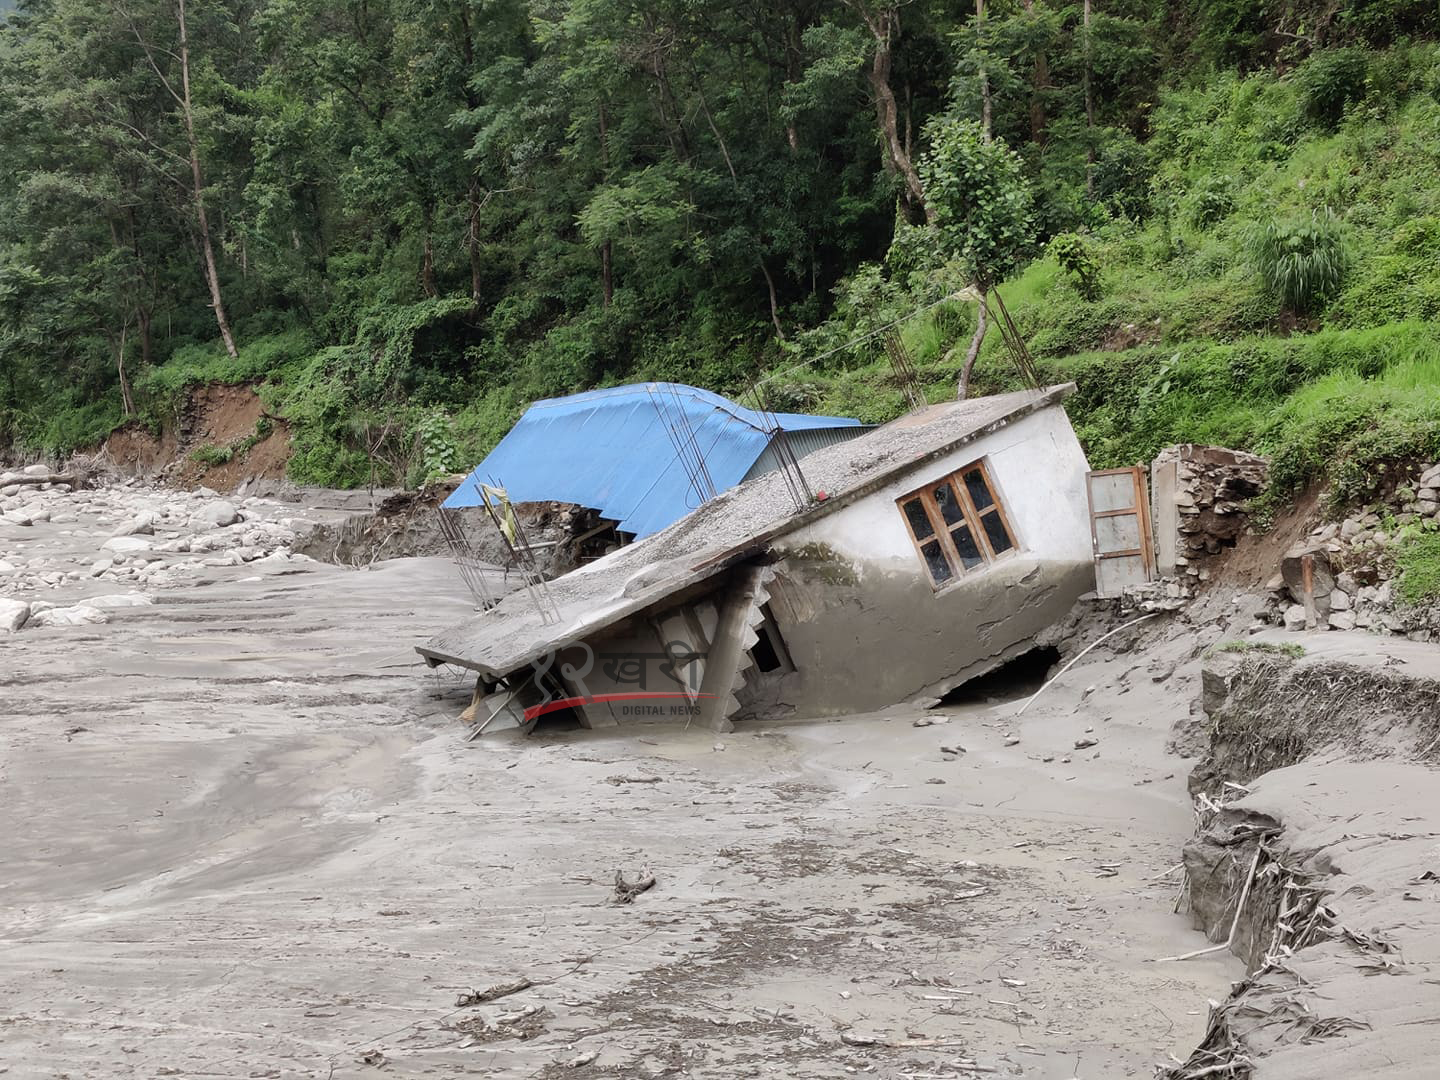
426 213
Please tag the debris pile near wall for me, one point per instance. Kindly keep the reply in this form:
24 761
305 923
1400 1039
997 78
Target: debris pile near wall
1348 583
406 525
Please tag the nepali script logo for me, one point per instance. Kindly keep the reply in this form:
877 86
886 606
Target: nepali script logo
678 663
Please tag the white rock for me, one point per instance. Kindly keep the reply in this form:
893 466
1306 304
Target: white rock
1295 617
112 601
7 567
142 523
1342 620
123 544
76 615
217 513
13 614
1339 600
36 470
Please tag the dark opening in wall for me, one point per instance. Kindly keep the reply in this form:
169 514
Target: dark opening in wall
1012 680
769 649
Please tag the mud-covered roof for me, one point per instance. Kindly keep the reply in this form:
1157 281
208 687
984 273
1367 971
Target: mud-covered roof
706 542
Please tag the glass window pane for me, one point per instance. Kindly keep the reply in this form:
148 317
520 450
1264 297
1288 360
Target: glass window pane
919 520
936 562
979 492
995 533
965 545
949 505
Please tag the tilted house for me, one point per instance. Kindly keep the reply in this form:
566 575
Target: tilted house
937 546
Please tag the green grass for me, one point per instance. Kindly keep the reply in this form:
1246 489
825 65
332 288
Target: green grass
1418 559
1287 649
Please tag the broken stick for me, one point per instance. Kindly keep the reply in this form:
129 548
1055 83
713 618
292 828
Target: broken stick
626 891
1234 923
499 990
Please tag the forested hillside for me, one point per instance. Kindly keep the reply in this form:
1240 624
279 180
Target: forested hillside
405 219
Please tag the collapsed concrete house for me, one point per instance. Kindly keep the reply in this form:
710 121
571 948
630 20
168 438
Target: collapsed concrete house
936 547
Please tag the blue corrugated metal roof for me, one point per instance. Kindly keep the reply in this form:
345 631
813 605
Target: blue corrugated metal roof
614 451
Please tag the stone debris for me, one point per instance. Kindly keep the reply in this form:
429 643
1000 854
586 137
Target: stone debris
1352 568
13 614
145 538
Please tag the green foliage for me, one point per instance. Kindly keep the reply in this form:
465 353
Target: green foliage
1077 258
1330 81
1302 261
439 453
983 207
1417 557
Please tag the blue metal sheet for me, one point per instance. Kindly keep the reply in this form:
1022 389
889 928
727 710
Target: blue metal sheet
614 450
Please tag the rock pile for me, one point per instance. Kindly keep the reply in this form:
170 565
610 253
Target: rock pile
149 538
1341 577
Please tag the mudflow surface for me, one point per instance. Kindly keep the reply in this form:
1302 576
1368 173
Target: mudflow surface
246 839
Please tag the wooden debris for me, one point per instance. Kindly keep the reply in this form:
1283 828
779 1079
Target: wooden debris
499 990
626 891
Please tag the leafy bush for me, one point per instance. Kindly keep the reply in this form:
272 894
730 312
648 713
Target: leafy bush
1329 81
1212 200
1076 257
1301 261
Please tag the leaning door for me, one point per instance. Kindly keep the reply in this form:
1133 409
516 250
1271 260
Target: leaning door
1120 529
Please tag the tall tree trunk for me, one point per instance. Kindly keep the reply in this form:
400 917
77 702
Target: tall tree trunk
985 105
735 181
212 274
472 241
774 304
1040 84
127 400
607 255
982 323
427 250
1089 112
884 25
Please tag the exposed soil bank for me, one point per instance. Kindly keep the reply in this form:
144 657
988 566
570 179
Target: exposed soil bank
1330 861
251 842
221 438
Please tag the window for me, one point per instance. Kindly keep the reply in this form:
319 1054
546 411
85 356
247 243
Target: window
957 524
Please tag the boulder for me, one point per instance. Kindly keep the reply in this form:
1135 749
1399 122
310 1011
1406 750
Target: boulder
1342 620
1322 577
142 523
119 600
1295 617
13 614
123 544
36 470
76 615
1339 600
217 514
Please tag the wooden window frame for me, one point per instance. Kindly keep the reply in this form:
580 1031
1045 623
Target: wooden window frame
974 520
